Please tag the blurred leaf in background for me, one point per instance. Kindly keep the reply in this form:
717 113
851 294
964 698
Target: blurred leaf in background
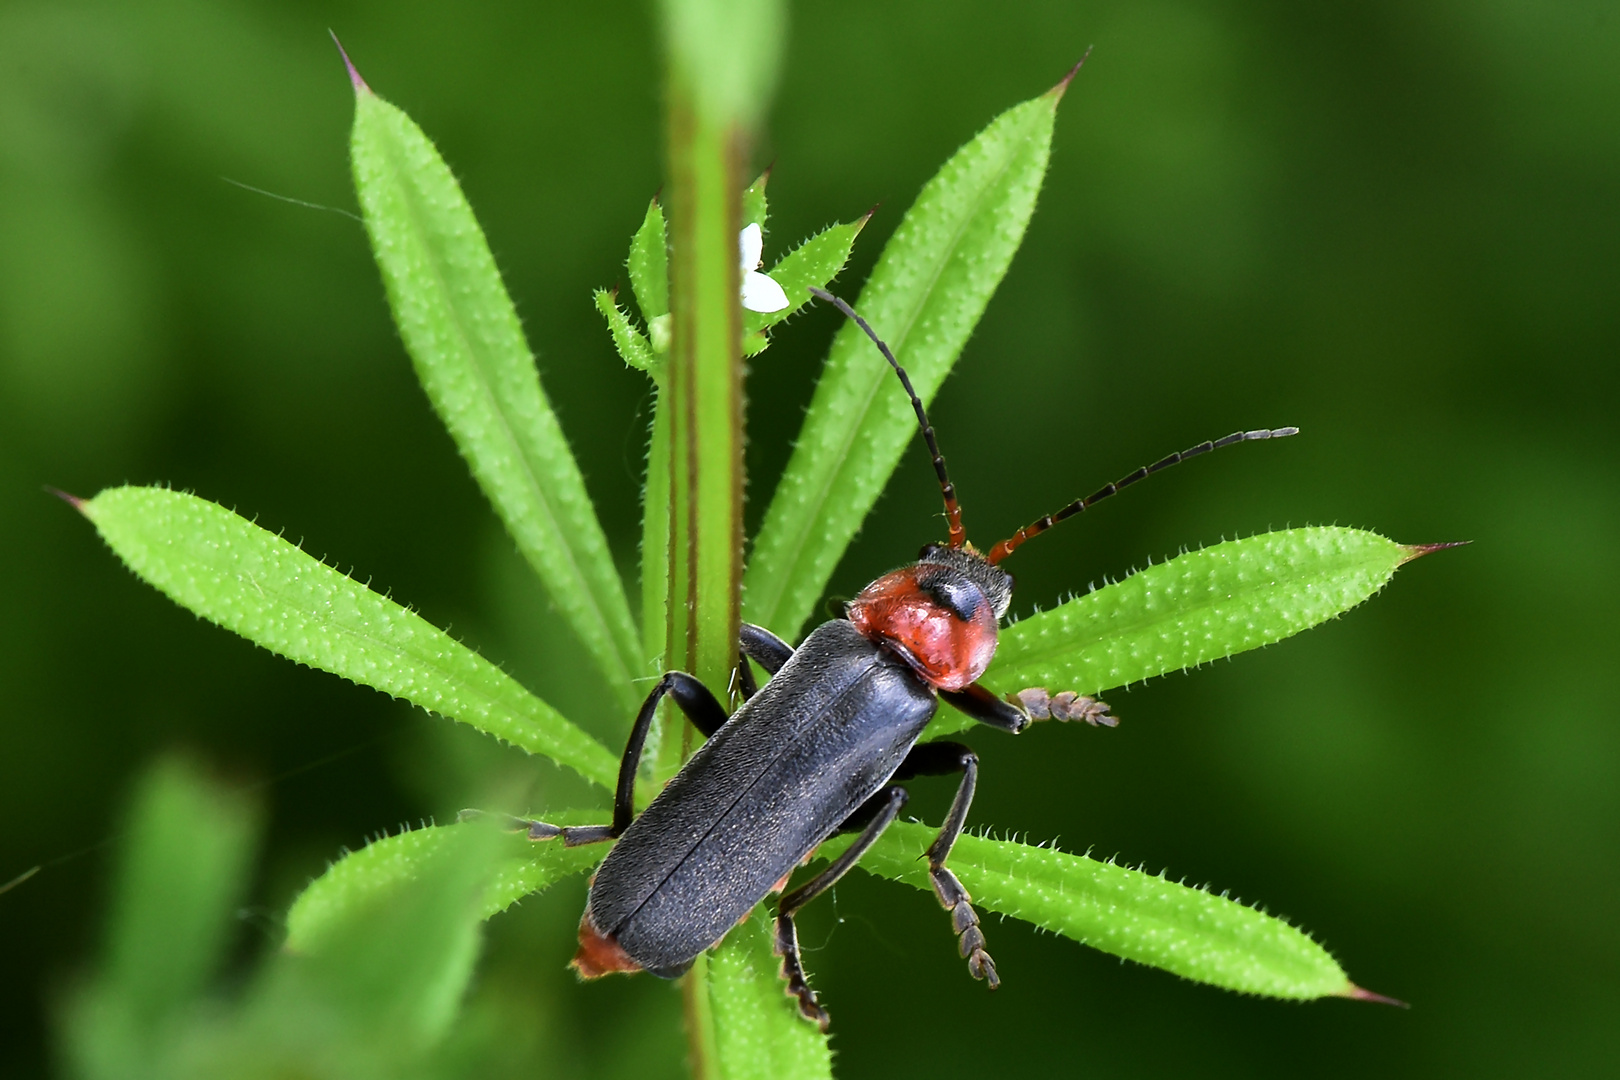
184 868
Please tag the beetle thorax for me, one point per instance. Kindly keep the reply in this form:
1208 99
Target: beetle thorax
939 614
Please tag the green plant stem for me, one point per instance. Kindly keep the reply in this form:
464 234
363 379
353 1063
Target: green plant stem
655 536
706 413
705 382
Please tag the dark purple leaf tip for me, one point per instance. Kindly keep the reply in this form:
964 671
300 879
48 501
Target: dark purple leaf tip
72 500
1356 993
1417 551
1063 83
354 76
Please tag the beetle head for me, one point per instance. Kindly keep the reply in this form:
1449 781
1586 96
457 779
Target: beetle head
940 614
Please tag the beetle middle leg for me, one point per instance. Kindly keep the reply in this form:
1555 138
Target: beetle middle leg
939 759
763 648
888 803
699 705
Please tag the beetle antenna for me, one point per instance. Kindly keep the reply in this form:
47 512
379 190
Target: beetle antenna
953 509
1011 544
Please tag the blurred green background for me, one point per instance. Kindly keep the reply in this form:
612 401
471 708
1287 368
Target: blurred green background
1393 225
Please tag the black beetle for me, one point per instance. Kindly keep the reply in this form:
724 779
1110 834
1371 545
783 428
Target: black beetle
815 752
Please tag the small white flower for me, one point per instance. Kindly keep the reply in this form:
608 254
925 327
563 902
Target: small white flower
759 292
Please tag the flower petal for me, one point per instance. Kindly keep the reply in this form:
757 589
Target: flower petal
760 293
751 243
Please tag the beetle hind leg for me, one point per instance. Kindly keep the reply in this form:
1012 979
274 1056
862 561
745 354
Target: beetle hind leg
787 938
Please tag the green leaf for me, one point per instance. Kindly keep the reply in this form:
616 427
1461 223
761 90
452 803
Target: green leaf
470 355
253 583
930 286
1126 913
1195 608
649 264
755 207
759 1034
814 262
362 879
633 347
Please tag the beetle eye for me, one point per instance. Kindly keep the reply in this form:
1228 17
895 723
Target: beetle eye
958 597
927 550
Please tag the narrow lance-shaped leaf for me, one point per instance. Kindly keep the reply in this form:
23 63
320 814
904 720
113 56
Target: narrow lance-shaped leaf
649 264
253 583
459 326
930 286
1195 608
371 876
755 206
815 262
759 1034
1126 913
649 276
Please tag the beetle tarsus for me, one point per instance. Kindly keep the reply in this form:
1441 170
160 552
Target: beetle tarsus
792 972
572 835
1041 704
787 938
954 898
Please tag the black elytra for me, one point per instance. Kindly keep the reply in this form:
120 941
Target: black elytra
817 751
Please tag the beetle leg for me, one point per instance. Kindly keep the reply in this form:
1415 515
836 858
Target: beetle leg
1041 704
700 707
787 938
572 835
935 759
986 708
763 648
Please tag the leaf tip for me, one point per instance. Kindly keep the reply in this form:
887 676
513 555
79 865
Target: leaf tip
1417 551
72 500
1056 93
861 224
360 86
1356 993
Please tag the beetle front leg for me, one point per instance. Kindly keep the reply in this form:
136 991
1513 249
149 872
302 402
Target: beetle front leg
934 759
787 938
699 705
762 647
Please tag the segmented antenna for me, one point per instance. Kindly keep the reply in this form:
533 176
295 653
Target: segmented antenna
953 509
1011 544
